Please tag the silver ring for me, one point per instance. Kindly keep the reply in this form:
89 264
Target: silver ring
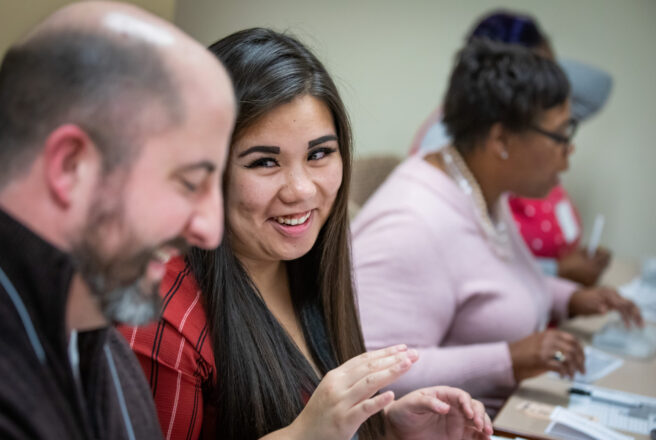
559 356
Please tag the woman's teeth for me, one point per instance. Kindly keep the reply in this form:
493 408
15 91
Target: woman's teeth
293 221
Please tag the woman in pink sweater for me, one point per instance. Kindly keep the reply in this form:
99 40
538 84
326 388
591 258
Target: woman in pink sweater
439 263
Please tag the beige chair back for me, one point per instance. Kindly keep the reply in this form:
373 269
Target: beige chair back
368 173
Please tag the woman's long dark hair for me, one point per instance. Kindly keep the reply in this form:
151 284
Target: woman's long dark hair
262 378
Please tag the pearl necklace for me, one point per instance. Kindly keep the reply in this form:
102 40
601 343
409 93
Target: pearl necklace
496 232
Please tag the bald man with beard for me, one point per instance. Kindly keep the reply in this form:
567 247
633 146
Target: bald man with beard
114 128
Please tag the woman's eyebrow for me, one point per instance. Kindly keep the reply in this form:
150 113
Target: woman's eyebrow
260 149
321 140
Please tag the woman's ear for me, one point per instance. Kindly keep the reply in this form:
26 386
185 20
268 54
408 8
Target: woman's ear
498 140
68 155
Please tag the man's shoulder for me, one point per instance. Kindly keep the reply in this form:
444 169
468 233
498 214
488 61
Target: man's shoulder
31 402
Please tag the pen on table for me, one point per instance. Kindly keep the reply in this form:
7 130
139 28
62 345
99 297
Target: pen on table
606 397
595 237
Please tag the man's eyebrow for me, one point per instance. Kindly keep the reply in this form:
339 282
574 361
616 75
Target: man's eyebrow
321 140
260 149
203 165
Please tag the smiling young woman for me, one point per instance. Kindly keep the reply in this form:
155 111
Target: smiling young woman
261 337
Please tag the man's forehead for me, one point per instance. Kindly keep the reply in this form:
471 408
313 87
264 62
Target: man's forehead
125 24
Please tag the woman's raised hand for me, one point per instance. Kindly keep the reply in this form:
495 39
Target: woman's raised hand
343 400
438 412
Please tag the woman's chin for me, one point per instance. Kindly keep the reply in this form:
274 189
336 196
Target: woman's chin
294 254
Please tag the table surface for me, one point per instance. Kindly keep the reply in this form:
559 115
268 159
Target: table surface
635 376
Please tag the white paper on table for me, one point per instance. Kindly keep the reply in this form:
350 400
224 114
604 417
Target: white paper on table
616 409
568 425
598 364
635 342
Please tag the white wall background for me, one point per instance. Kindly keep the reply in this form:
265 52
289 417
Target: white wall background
391 60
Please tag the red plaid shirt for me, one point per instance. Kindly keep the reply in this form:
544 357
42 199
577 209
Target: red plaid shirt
176 354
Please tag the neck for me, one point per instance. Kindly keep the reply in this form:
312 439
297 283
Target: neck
487 177
38 215
270 278
82 310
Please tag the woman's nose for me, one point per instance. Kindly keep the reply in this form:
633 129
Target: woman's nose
298 187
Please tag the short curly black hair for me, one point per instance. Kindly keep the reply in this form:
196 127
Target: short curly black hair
496 82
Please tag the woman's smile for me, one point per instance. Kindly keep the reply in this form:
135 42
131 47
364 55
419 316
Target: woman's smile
293 226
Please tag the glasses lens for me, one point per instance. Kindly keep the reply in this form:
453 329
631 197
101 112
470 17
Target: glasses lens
571 129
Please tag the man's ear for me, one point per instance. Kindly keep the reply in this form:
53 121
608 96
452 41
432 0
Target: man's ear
69 155
498 140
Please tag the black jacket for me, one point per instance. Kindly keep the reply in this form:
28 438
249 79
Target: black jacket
43 400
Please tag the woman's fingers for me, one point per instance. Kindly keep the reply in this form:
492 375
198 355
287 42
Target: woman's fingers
425 401
489 430
478 415
564 354
346 392
465 401
367 408
372 382
373 355
471 409
366 366
628 310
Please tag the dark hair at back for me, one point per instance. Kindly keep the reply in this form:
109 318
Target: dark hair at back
262 377
99 83
509 27
494 82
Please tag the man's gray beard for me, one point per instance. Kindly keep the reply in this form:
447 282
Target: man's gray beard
130 305
118 283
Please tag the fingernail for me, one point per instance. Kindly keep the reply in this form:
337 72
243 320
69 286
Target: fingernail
401 347
441 406
404 364
412 353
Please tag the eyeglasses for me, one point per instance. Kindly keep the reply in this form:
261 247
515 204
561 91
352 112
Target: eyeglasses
564 137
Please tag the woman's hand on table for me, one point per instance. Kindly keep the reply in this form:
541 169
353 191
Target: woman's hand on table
600 300
438 412
343 399
549 350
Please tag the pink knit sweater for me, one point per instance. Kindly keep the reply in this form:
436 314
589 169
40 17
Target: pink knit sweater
427 276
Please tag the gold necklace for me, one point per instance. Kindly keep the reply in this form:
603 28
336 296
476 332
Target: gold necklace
495 231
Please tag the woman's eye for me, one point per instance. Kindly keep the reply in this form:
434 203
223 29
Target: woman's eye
320 153
264 162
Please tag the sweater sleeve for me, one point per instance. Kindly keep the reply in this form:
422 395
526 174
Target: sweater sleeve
561 291
407 294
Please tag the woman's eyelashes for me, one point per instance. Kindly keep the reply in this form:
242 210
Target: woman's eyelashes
263 162
270 162
321 152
